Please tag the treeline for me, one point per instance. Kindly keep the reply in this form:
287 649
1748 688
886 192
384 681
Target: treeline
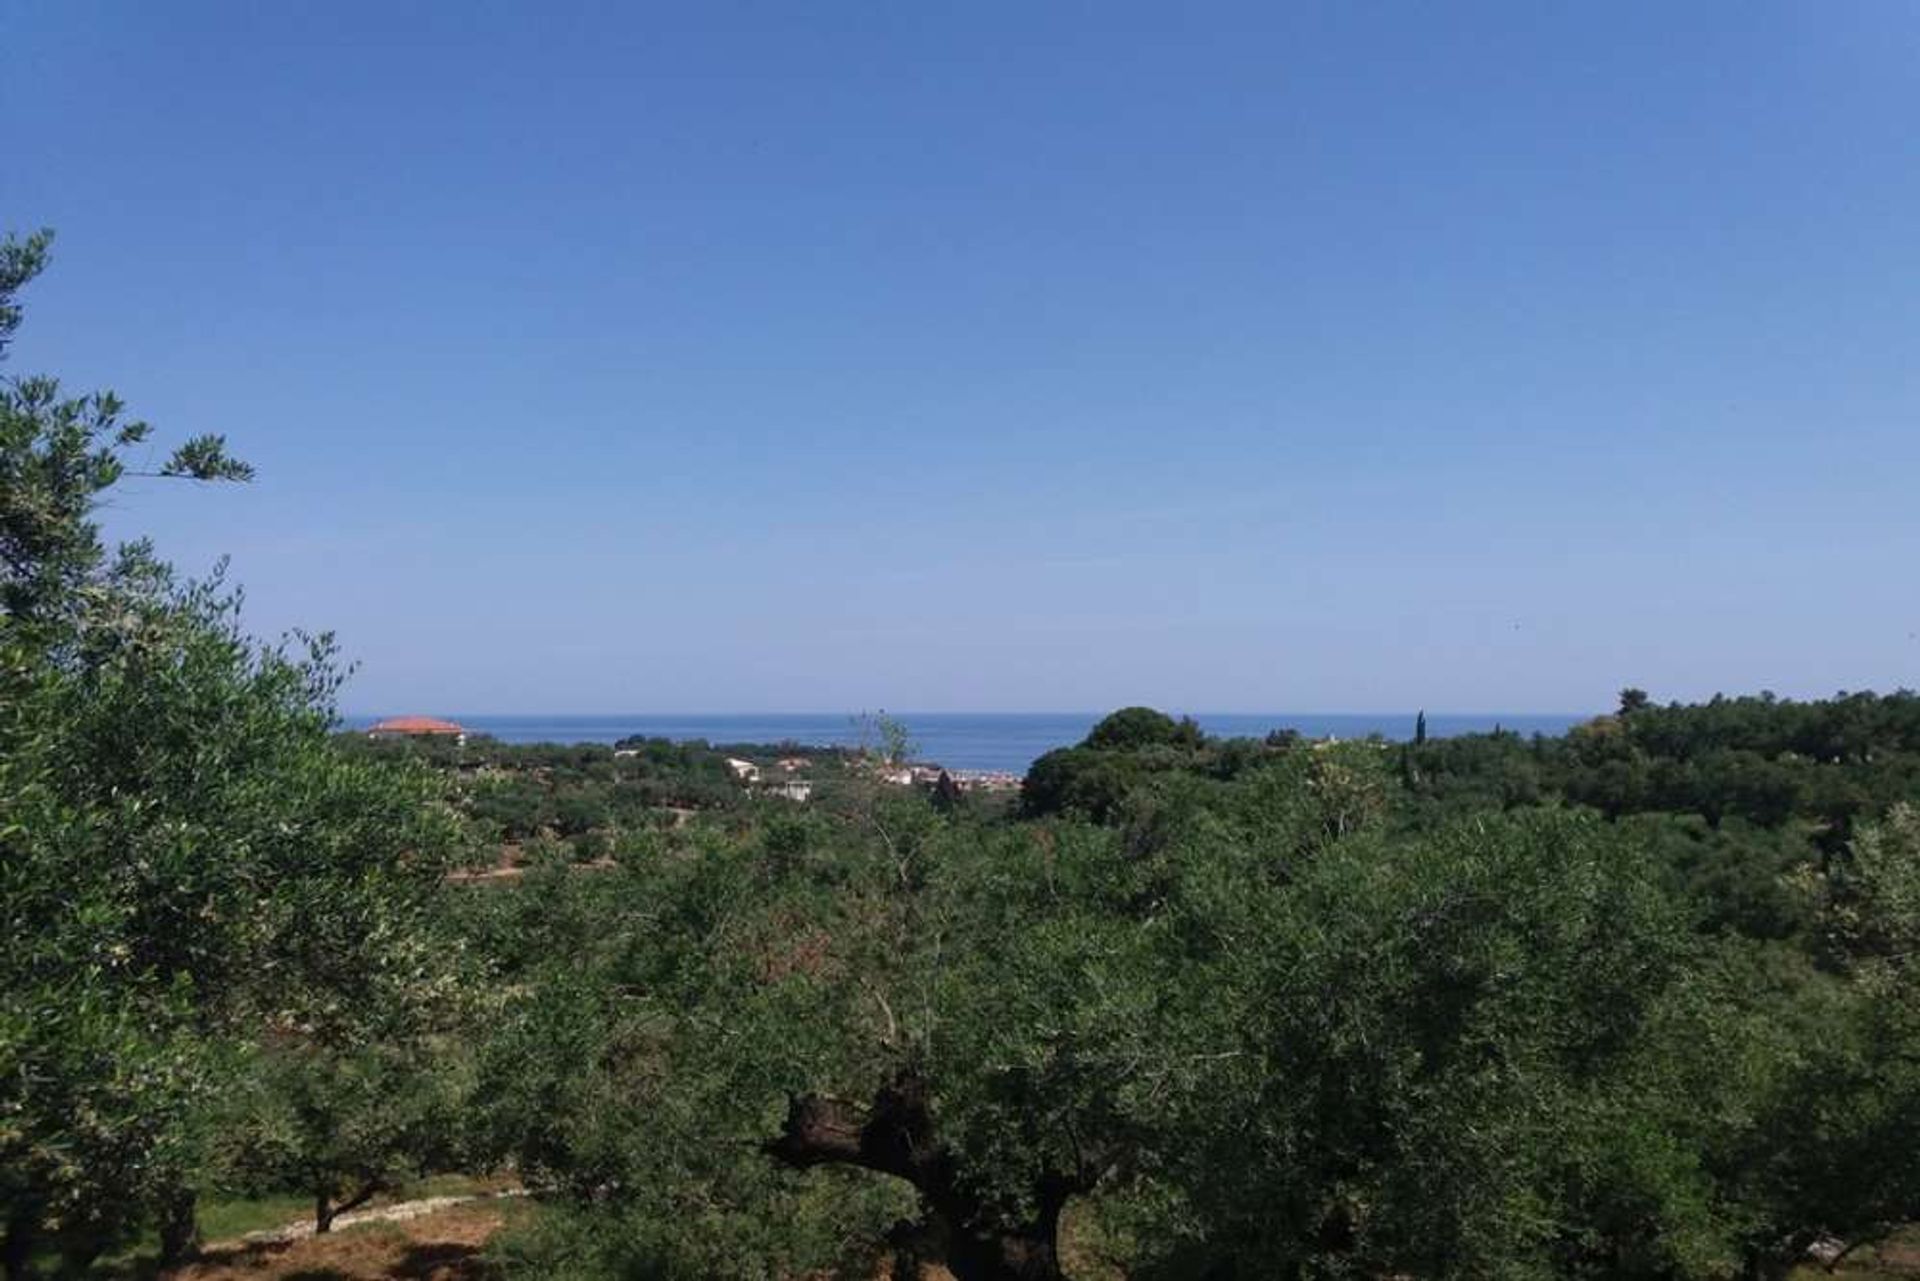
588 796
1761 759
582 794
1739 794
1764 760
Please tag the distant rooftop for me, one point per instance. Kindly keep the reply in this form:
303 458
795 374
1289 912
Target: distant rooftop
414 725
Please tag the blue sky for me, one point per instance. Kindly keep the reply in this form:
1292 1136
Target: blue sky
1344 356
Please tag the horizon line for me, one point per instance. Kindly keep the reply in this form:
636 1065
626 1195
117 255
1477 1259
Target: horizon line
1430 711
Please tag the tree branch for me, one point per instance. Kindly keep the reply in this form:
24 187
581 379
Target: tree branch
893 1136
368 1190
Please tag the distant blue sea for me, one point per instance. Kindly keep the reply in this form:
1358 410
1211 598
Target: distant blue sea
966 740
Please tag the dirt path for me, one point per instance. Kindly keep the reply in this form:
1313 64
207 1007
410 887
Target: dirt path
435 1239
399 1212
515 873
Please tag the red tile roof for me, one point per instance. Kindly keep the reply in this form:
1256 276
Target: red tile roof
415 725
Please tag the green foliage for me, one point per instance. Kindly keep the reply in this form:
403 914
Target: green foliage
1132 728
1081 780
1280 1013
883 738
589 795
757 1223
188 870
343 1121
20 261
57 455
1446 1054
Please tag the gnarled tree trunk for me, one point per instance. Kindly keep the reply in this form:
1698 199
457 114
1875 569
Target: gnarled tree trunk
958 1231
16 1250
326 1209
179 1230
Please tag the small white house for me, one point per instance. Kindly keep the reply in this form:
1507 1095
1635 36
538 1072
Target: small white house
745 771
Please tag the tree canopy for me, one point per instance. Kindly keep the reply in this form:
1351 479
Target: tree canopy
1272 1015
189 873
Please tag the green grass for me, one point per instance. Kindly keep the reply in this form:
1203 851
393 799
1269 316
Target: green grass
224 1218
439 1185
230 1218
220 1219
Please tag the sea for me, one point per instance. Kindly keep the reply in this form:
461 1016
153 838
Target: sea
1009 741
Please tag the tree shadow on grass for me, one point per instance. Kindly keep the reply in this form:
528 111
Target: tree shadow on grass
440 1261
445 1261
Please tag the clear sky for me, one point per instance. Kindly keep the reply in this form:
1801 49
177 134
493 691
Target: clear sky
1335 356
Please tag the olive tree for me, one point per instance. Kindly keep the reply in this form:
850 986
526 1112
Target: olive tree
188 869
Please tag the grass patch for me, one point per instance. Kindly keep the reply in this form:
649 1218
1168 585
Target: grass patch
229 1218
225 1218
440 1185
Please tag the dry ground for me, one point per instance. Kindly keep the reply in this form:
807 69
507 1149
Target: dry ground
443 1246
1896 1259
448 1244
